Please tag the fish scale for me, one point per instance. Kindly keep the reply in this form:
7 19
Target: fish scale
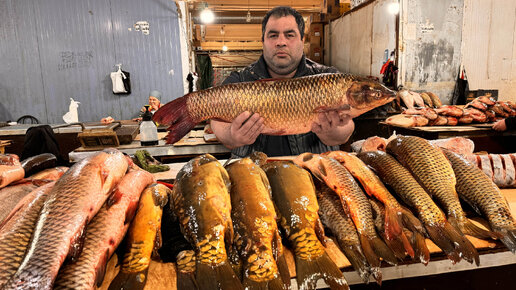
288 106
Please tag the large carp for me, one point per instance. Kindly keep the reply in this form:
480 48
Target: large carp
293 193
257 238
430 168
288 106
203 206
104 233
73 201
485 197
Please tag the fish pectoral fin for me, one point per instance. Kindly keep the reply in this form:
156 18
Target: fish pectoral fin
319 232
77 244
100 272
131 212
114 197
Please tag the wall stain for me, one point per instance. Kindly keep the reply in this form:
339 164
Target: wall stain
433 62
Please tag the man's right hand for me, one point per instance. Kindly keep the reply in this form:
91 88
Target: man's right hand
243 130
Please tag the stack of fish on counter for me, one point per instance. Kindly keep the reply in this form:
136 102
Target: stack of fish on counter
62 233
422 110
500 168
228 214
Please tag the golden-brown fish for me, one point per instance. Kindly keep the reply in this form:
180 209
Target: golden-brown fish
338 178
431 169
203 206
444 235
485 197
289 106
142 237
293 194
335 217
394 215
257 237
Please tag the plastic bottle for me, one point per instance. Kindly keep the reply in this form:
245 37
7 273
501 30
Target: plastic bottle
148 130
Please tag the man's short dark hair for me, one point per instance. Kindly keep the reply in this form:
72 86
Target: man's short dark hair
281 11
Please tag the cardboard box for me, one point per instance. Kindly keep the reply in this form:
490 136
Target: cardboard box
331 8
316 30
317 17
344 7
316 53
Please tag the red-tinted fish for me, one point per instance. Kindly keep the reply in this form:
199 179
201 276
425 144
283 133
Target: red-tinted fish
74 200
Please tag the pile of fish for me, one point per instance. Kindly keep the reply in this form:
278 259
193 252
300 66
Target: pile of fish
62 234
234 217
483 109
500 168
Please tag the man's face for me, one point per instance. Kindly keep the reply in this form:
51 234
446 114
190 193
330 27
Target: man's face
282 45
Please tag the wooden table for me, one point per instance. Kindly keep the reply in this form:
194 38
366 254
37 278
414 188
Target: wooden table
189 146
492 254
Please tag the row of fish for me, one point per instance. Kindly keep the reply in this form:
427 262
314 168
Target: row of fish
228 214
481 110
412 99
63 233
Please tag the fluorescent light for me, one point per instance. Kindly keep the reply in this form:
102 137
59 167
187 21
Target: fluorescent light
207 16
394 8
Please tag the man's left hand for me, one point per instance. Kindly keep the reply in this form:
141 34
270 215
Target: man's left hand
333 128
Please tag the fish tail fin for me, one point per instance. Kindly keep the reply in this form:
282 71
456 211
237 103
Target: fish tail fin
420 247
358 261
453 243
185 281
175 114
394 235
468 228
374 249
274 284
283 270
221 277
309 271
129 280
508 237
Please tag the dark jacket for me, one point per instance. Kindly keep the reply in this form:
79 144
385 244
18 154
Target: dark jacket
510 123
288 144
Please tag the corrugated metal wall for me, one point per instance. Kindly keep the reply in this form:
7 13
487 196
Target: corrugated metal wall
359 39
489 48
55 50
430 51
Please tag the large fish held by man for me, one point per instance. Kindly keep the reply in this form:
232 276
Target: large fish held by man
288 106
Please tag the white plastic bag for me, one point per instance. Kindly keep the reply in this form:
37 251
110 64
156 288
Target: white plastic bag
118 81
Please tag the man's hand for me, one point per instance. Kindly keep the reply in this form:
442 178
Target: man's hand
244 130
333 128
500 125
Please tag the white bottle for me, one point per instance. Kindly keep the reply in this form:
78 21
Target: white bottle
148 130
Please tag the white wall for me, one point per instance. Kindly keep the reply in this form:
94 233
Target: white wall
359 39
489 46
431 34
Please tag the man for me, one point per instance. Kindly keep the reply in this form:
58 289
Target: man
282 37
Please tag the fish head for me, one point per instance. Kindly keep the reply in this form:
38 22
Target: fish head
368 94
